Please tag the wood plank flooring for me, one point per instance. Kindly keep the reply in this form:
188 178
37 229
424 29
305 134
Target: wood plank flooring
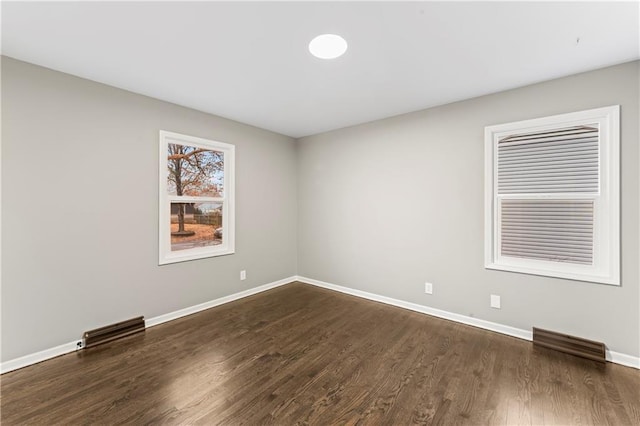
299 354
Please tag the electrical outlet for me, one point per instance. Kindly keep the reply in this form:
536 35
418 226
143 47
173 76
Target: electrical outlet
243 275
428 288
495 301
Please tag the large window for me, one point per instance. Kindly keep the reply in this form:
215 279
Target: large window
552 196
196 198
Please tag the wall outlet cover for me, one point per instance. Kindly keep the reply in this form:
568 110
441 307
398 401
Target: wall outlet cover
495 301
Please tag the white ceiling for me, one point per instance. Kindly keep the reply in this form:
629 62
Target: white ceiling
249 61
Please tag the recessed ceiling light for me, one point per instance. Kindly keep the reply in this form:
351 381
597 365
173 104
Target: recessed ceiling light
327 46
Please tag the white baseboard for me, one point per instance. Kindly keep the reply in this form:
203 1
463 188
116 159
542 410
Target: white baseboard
212 303
37 357
623 359
615 357
25 361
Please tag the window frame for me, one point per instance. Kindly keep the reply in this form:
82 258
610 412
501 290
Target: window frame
166 255
606 244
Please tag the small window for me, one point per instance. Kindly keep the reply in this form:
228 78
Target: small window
196 198
552 196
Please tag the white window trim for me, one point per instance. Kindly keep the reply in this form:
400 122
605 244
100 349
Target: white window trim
606 268
166 256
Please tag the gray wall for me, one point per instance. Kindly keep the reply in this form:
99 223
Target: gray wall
80 200
385 206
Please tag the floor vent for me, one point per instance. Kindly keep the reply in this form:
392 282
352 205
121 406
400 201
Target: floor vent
113 331
569 344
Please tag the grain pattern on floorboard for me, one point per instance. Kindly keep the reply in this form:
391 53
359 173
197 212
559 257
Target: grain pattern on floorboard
299 354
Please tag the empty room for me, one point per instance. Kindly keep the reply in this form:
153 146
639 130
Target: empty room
318 213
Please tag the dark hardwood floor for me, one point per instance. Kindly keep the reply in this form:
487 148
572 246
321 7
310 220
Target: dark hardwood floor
299 354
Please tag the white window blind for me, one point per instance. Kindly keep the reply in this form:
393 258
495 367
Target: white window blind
555 230
558 161
565 160
552 196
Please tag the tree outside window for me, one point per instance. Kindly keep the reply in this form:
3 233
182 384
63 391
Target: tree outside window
196 191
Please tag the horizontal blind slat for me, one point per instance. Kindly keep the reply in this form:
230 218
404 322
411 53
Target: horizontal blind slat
586 229
577 246
565 259
558 164
547 137
570 181
551 233
558 148
543 204
551 252
575 171
555 133
568 239
533 144
585 158
553 214
585 190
